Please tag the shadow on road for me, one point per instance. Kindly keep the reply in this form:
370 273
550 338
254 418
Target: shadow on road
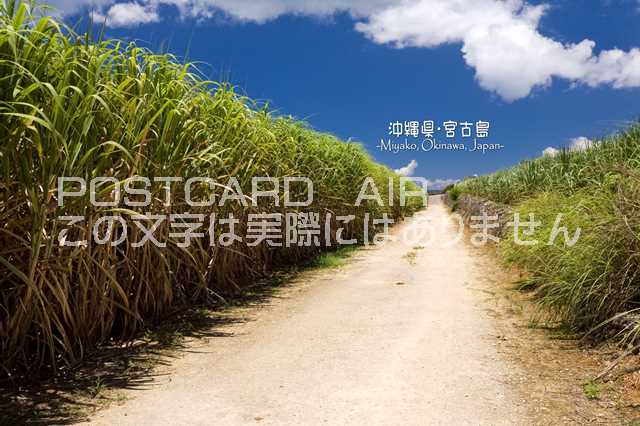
75 392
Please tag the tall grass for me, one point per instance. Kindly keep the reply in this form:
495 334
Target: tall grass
599 166
72 106
597 190
592 281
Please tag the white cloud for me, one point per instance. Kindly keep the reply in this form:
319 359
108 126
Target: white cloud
127 15
501 42
259 11
580 143
266 10
69 7
500 39
441 183
409 169
114 14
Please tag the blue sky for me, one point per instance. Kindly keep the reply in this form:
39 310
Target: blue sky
351 68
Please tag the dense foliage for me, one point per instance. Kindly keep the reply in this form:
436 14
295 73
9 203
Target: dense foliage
73 106
596 190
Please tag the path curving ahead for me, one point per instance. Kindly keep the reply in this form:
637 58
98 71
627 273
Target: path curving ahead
396 337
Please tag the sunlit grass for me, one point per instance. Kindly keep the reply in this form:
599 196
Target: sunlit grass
600 166
596 190
333 259
72 106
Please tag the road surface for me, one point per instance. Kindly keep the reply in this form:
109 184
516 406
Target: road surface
396 337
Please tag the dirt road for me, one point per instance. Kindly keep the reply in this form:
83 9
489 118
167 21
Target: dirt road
396 337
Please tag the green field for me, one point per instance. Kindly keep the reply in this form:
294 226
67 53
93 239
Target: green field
597 190
76 105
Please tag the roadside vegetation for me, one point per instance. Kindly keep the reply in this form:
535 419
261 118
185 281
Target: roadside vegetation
595 282
71 105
